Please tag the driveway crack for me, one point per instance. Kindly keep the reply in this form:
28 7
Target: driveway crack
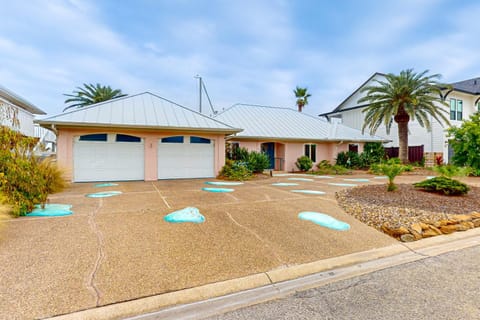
91 286
256 236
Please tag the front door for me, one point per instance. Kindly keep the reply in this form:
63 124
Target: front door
269 149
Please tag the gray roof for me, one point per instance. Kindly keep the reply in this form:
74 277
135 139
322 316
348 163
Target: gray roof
144 110
471 86
262 122
19 101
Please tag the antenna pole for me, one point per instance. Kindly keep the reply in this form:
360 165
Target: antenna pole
200 85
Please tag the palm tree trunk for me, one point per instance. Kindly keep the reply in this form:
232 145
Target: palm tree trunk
403 142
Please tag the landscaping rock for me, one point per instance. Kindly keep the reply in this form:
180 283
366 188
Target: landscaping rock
403 214
447 229
476 222
407 237
475 215
432 231
416 227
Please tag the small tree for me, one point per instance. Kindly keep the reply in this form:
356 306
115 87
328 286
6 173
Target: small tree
465 142
391 169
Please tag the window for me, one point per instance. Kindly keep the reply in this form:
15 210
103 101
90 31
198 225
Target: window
456 109
199 140
353 147
127 138
311 151
176 139
94 137
478 106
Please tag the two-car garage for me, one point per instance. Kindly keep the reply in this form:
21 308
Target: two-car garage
138 137
121 157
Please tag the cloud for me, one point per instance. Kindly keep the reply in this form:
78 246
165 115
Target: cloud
250 51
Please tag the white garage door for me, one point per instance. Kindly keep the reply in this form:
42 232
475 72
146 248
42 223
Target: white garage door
108 157
185 157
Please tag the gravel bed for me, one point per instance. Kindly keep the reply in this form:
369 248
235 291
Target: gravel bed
374 205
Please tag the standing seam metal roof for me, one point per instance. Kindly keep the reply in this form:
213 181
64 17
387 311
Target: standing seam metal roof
144 110
288 124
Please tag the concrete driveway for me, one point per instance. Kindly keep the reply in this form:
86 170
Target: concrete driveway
120 248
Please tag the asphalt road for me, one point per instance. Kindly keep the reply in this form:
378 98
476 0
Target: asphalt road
441 287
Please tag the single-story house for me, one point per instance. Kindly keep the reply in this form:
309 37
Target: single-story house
286 134
462 98
138 137
11 104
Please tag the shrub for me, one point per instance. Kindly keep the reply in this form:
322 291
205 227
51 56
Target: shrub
258 161
324 167
348 159
24 180
5 210
235 170
443 185
240 154
304 163
339 169
451 170
391 169
373 152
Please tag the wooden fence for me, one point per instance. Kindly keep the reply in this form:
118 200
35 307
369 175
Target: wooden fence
415 153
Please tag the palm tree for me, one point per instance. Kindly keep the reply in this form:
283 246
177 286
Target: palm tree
91 94
401 98
302 97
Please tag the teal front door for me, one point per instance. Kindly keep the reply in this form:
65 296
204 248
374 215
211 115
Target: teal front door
269 149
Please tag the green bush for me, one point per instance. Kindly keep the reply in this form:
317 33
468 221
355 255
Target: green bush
240 154
324 167
373 152
451 170
339 169
443 185
25 181
304 163
348 159
465 142
391 169
235 170
258 161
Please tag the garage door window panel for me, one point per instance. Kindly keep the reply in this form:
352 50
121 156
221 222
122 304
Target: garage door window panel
200 140
94 137
127 138
175 139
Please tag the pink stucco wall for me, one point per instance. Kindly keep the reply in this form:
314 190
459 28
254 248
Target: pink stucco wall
291 151
66 136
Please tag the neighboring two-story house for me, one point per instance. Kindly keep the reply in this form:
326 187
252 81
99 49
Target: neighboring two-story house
463 100
24 112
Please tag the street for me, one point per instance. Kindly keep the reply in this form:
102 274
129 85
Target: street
441 287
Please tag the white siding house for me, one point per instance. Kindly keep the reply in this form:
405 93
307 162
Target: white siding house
23 109
464 99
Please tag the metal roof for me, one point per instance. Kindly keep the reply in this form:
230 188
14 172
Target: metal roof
19 101
144 110
262 122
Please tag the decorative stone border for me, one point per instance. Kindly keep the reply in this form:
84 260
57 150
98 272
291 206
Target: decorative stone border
426 229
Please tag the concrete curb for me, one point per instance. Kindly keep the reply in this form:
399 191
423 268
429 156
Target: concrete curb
280 280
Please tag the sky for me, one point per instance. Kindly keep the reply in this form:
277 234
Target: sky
249 51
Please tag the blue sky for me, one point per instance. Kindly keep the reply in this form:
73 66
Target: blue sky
248 51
